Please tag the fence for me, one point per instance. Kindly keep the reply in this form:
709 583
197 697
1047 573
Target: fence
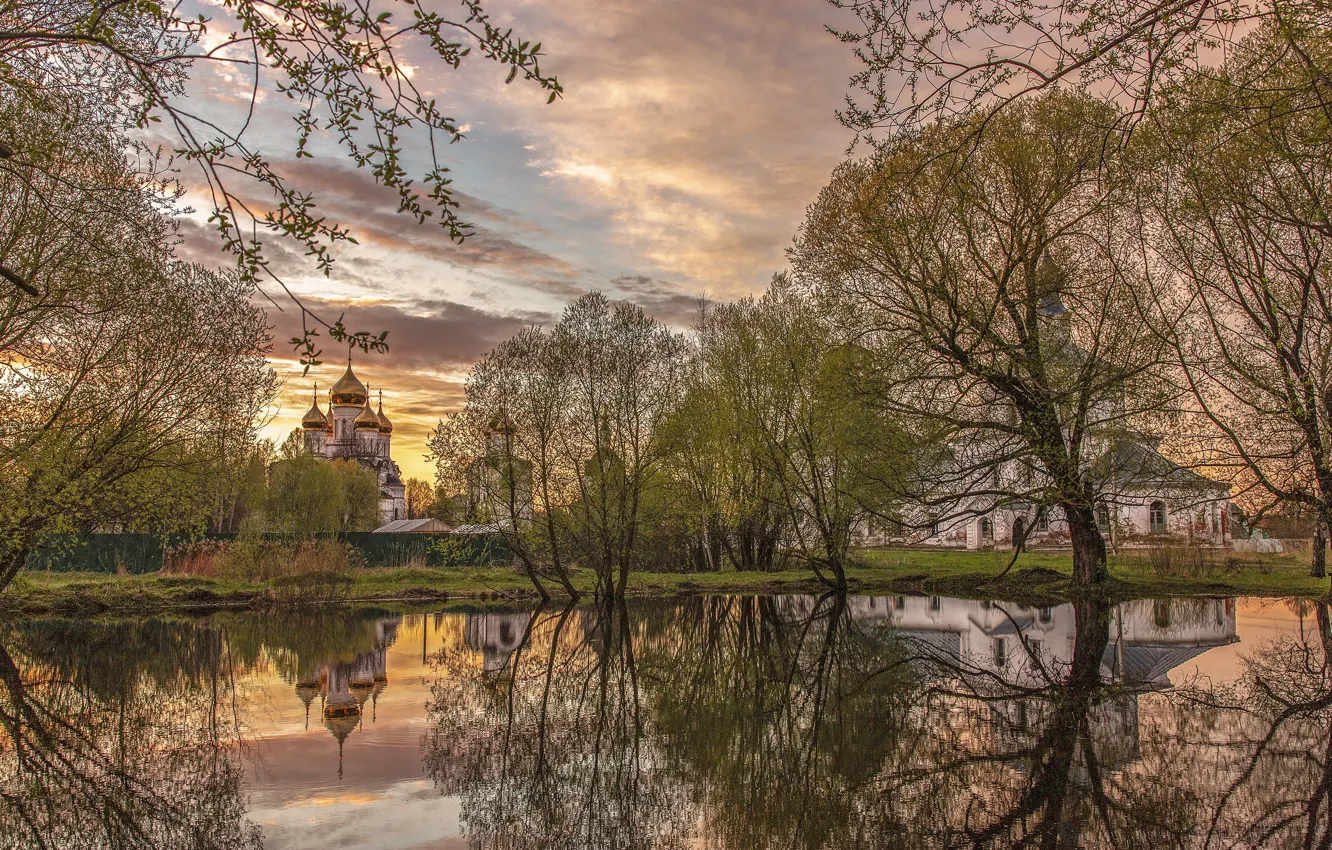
142 553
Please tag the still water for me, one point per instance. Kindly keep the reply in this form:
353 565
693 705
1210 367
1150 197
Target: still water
715 722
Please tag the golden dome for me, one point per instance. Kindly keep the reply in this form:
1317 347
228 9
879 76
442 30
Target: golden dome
349 390
366 420
385 426
314 419
499 425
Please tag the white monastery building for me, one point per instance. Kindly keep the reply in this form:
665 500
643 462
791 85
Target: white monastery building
352 431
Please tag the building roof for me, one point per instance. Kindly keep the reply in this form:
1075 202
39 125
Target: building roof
487 528
1134 462
414 526
349 390
314 417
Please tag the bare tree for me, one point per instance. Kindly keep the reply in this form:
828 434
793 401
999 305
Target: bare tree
988 276
1237 194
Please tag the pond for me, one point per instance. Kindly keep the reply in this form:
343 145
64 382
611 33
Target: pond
720 722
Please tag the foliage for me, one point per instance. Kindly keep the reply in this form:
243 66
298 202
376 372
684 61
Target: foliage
308 495
257 558
342 66
560 441
1236 188
993 288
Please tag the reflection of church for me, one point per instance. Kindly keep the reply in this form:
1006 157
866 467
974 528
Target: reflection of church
353 431
1003 650
496 636
345 686
1148 638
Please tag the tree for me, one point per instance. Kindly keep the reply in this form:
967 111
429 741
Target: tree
1237 196
783 384
420 499
102 396
360 496
342 66
954 58
304 497
987 278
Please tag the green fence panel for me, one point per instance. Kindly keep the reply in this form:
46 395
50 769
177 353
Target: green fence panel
142 553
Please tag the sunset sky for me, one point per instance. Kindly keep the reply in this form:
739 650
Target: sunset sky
690 139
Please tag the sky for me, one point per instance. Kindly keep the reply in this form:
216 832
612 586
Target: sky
679 162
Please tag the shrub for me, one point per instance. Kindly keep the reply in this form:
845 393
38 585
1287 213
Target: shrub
255 558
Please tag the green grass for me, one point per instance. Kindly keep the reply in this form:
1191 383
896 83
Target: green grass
1035 576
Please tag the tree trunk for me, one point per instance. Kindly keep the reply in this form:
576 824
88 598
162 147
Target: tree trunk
1319 568
1089 567
12 560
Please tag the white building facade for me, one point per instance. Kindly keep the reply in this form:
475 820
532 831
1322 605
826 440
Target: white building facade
351 430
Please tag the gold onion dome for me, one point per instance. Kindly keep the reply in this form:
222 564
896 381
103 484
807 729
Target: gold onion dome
499 425
349 390
385 426
314 419
366 420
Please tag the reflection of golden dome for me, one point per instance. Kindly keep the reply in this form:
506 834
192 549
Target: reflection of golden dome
366 420
314 419
306 691
349 390
343 724
385 426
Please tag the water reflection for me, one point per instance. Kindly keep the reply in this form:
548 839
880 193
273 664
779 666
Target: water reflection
117 736
717 722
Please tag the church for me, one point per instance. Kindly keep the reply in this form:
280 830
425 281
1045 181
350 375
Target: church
351 430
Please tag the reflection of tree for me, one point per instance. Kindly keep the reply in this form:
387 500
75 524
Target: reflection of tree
760 722
554 749
111 736
1268 742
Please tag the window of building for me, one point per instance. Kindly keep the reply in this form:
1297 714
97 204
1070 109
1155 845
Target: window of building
986 528
1046 614
1000 652
1103 518
935 603
1158 517
1043 521
899 602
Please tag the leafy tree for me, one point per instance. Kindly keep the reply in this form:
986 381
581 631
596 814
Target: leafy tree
1237 193
817 461
420 499
342 66
304 497
990 285
562 434
360 496
954 58
108 400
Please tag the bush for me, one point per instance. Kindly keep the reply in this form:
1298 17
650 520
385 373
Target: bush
253 558
1180 559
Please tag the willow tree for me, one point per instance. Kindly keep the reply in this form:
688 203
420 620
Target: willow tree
985 275
343 68
1238 212
786 447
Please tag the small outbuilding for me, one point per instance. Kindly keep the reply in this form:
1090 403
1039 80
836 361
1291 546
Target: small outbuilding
415 526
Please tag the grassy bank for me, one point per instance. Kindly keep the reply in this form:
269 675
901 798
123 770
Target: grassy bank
1035 577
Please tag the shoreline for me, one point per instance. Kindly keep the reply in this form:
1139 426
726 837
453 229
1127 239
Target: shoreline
1037 578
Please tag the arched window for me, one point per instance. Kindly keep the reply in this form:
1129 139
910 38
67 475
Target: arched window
1103 518
986 528
1158 517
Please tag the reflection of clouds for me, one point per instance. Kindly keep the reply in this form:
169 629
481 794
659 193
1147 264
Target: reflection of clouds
406 814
